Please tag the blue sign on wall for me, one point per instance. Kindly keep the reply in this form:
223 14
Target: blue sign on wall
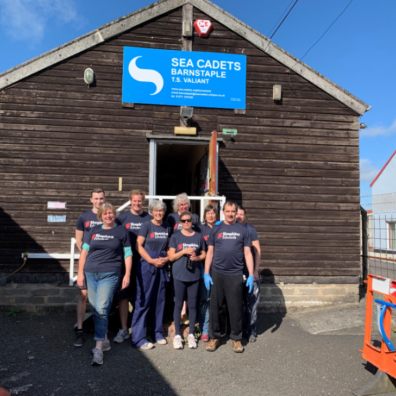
184 78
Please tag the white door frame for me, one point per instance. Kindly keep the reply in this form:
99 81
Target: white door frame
172 140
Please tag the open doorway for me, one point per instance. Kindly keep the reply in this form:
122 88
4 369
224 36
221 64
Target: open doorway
181 168
180 165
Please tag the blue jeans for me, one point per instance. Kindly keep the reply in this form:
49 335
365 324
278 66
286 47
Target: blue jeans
204 299
101 289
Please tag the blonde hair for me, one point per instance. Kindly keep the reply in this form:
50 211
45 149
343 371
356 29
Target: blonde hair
104 207
137 192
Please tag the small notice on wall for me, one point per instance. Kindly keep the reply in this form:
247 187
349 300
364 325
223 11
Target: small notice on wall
56 205
56 218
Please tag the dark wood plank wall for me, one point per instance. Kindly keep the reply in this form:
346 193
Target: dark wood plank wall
294 166
59 139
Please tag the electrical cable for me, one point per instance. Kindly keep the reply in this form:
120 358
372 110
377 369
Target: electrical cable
287 12
283 19
326 31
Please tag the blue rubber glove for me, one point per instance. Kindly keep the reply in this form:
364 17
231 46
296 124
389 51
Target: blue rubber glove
208 281
250 283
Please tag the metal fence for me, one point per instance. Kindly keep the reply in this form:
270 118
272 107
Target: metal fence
381 244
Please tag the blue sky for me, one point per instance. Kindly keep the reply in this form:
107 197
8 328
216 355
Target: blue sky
358 52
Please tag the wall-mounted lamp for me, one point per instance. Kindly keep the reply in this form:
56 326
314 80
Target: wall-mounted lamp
277 93
187 30
89 76
186 114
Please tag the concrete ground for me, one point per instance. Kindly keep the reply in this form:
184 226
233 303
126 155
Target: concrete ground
305 352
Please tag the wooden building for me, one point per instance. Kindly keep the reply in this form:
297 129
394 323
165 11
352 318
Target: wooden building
294 163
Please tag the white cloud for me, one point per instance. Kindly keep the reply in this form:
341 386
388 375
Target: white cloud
26 20
367 170
379 130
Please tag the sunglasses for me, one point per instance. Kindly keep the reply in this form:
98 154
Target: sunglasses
185 220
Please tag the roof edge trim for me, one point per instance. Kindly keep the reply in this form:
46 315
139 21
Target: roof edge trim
382 169
86 41
156 9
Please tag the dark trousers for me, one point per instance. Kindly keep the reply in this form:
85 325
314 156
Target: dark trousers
181 290
251 303
226 295
149 303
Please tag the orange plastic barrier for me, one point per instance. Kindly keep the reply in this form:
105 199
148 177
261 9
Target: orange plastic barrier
382 357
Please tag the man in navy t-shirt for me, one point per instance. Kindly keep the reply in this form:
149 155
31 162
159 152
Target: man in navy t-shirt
251 300
229 248
132 221
84 224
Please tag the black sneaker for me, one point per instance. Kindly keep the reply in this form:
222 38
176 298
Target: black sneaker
79 340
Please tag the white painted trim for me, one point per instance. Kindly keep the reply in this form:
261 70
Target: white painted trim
55 256
87 41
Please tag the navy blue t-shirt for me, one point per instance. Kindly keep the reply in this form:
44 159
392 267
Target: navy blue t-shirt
106 249
252 232
87 220
253 237
133 223
229 241
173 221
155 239
206 231
179 241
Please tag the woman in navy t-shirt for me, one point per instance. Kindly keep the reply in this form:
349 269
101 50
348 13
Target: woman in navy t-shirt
210 218
186 250
105 249
151 278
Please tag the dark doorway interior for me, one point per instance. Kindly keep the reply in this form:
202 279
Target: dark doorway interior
181 168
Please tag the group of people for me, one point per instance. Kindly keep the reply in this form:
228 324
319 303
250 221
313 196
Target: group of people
209 270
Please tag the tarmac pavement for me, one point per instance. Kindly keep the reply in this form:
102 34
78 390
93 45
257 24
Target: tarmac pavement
304 352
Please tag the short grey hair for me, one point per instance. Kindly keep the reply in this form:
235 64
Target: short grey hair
183 197
156 204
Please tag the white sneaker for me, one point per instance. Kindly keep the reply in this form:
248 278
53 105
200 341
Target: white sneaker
146 346
121 336
192 343
177 342
161 341
106 345
97 357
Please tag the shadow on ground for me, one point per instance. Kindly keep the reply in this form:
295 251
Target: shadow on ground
40 360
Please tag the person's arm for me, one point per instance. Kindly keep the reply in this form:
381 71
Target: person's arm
143 253
128 268
79 238
141 250
126 243
200 257
173 255
208 263
257 255
208 259
81 265
248 260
